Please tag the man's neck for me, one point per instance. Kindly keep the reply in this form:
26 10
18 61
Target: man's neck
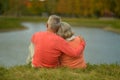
49 30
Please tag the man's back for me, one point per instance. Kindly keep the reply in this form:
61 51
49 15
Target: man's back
46 54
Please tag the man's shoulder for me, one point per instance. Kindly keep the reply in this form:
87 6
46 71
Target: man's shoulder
38 33
57 37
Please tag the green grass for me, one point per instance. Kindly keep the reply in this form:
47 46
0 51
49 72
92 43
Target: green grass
10 24
14 23
92 72
92 22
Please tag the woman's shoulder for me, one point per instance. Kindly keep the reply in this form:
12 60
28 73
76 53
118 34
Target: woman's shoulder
79 37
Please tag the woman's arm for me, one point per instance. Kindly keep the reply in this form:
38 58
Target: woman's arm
31 53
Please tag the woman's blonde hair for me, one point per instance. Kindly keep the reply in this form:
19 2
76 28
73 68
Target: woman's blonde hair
65 30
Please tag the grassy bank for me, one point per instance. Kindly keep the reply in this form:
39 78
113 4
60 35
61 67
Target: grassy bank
14 23
104 23
92 72
8 24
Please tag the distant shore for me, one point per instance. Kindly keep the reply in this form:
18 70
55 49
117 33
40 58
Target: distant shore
12 30
25 28
112 30
8 24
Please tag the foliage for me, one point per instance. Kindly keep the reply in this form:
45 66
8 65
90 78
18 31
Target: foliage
74 8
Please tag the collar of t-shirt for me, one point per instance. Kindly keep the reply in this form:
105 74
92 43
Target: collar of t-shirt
71 38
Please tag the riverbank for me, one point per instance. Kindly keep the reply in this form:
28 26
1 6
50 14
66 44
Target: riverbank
102 23
14 23
112 29
8 24
92 72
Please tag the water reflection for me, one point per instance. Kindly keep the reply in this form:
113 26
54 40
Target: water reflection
101 46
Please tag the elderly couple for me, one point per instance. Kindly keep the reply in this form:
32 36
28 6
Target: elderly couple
57 46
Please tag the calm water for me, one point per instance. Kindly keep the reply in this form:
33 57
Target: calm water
101 46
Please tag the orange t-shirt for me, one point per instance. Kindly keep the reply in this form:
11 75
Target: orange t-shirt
73 62
48 48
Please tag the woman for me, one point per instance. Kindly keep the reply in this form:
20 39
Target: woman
67 61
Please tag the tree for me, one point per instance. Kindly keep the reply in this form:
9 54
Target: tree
117 8
12 7
62 7
4 6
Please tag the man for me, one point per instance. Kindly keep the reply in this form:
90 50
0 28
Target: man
48 46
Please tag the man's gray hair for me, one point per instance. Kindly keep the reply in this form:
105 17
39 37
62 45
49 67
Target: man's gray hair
54 22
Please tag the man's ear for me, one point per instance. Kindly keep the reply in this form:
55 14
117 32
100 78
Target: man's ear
57 29
46 25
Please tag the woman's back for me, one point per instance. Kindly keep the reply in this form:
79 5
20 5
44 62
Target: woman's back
73 62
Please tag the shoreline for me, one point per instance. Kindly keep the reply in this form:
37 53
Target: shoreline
107 24
12 30
104 28
117 31
112 29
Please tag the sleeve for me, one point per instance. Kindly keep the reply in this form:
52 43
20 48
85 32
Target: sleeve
70 51
31 53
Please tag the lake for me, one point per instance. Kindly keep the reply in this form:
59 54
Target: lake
101 46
